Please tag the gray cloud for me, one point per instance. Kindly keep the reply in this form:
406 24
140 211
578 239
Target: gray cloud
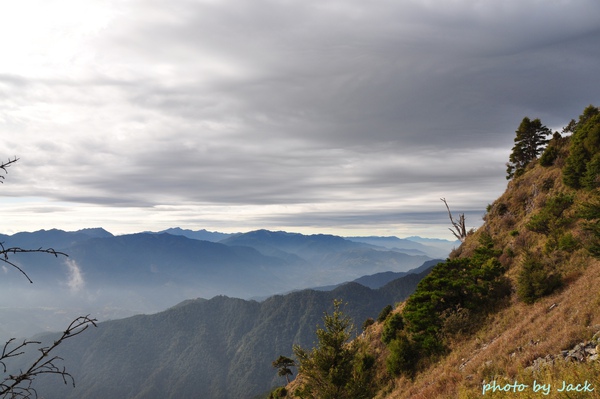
265 103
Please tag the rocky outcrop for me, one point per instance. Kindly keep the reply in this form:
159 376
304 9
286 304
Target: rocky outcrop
587 351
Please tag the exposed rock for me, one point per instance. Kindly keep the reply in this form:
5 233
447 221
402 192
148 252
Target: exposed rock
582 352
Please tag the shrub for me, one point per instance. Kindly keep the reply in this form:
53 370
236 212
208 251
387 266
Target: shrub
550 216
279 392
549 156
568 242
403 357
535 280
539 223
393 325
384 313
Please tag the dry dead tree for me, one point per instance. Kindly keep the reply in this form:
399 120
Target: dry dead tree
459 230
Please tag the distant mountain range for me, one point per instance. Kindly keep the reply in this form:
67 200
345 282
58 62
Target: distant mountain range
220 348
115 276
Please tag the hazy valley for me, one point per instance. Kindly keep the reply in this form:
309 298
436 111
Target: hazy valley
117 276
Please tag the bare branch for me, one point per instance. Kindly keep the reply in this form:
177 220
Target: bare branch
459 231
4 167
4 252
19 385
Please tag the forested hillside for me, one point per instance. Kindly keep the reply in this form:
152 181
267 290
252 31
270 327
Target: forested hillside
517 302
217 348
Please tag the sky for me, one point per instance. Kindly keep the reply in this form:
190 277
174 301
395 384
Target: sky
340 117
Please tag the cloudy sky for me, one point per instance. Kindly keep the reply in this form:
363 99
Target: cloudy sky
345 117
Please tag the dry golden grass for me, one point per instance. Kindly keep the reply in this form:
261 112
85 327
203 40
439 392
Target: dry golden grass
515 336
510 342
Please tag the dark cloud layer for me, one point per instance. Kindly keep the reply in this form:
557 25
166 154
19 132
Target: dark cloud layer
246 106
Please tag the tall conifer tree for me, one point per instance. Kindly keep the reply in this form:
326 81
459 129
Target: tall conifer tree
529 142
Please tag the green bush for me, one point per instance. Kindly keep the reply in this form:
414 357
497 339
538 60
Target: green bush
403 358
279 392
384 313
583 165
591 178
393 325
535 280
550 217
555 206
549 156
568 242
539 223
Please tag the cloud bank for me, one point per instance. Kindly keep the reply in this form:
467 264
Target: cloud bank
336 116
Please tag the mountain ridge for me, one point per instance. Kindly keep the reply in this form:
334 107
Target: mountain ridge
201 345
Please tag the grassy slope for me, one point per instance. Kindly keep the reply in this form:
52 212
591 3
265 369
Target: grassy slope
515 336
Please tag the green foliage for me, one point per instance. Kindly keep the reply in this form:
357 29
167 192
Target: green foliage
393 325
335 368
536 280
556 205
384 313
590 211
591 178
549 218
529 141
279 392
567 242
283 364
403 357
475 284
540 223
549 156
367 323
582 166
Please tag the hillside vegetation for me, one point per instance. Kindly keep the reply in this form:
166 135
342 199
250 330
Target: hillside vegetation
511 302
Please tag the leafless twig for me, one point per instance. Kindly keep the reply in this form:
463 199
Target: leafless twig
4 252
459 230
19 385
4 167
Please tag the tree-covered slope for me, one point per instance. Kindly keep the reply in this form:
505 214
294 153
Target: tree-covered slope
217 348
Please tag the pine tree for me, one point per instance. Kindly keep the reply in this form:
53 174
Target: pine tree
582 167
283 364
529 142
336 368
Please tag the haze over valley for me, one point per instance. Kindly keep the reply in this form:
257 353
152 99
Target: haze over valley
112 276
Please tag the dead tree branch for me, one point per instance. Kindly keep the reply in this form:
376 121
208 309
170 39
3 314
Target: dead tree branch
4 167
4 252
459 230
19 385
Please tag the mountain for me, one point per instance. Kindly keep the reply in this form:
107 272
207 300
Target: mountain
515 306
57 239
378 280
328 257
203 234
218 348
116 276
435 248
